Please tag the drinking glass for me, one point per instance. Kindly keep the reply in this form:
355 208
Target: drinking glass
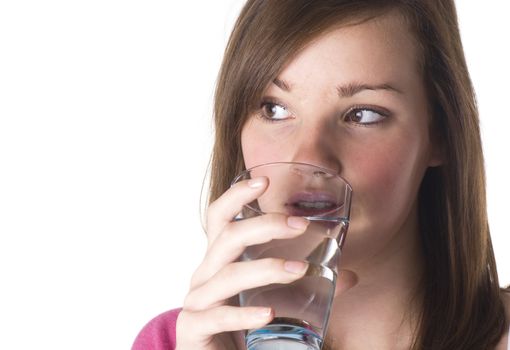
301 308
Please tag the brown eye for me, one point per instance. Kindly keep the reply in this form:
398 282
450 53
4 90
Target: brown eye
364 116
274 111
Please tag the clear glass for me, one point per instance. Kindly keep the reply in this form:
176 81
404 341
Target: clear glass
301 308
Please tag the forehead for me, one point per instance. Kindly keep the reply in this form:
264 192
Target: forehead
380 49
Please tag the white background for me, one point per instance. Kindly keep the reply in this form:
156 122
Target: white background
105 134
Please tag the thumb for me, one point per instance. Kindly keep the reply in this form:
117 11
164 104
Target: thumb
346 280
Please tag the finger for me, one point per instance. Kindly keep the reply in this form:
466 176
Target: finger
225 208
217 320
239 276
236 236
345 281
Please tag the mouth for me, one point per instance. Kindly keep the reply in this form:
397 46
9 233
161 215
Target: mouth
312 204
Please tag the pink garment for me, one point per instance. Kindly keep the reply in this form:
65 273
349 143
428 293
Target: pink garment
159 333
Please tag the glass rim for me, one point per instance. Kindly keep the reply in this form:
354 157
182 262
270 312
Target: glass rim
323 169
327 170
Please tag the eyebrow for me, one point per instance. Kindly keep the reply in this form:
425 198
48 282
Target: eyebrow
347 90
282 84
354 88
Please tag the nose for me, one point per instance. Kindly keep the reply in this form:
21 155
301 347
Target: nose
312 172
322 174
318 147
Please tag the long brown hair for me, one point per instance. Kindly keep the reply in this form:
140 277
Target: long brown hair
462 306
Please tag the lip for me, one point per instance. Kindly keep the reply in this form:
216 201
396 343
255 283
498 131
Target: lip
326 198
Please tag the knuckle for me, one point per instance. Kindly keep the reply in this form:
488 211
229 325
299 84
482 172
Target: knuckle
231 237
184 323
226 233
223 242
194 281
186 303
183 318
230 269
189 303
211 211
199 276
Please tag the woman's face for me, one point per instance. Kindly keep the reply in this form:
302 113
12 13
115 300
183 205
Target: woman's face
354 101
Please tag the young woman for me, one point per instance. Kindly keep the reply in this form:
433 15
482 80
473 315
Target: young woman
379 92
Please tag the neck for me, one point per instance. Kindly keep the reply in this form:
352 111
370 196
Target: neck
381 311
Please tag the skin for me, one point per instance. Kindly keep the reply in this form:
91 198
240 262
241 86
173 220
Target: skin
384 161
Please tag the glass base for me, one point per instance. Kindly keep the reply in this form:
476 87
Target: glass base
279 336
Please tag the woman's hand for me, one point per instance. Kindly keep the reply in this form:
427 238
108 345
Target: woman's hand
206 315
208 321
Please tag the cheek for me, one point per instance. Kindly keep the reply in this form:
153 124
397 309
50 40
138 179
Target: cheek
380 169
373 179
259 147
385 182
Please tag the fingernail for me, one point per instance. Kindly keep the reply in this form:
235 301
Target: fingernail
297 222
257 182
297 267
264 313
